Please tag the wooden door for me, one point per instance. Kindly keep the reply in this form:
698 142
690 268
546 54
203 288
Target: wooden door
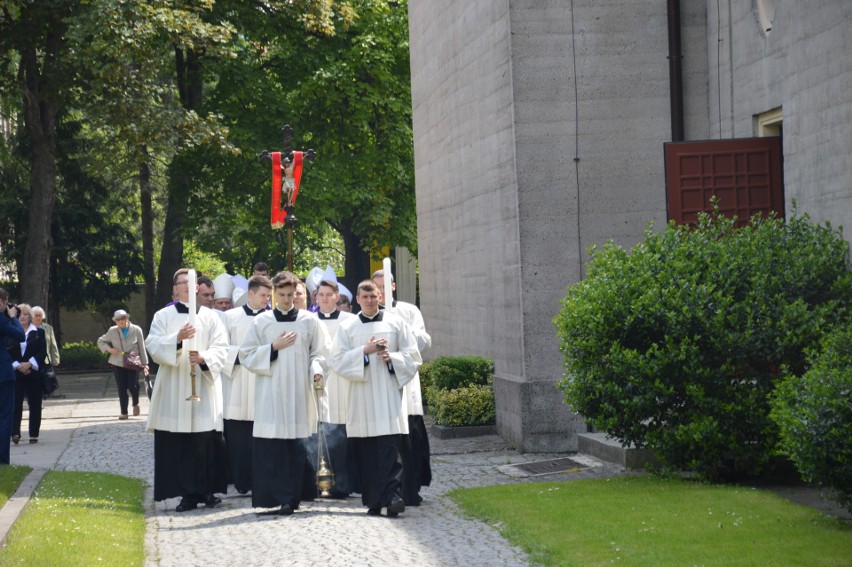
745 174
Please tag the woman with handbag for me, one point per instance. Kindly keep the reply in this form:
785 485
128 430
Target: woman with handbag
28 360
126 347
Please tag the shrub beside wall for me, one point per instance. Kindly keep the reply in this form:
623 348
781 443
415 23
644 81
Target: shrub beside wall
814 414
458 390
83 356
677 344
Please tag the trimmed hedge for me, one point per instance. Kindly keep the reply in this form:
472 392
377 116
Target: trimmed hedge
451 372
83 356
814 414
468 405
678 344
458 390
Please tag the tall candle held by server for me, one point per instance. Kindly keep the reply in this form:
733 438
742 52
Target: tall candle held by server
192 283
386 269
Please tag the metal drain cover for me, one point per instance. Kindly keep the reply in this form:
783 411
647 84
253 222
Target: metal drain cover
551 467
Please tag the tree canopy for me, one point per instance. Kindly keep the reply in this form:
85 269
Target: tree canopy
129 129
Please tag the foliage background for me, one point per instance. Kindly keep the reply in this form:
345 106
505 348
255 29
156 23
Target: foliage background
677 344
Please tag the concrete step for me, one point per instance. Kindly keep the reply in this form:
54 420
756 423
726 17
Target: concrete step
600 446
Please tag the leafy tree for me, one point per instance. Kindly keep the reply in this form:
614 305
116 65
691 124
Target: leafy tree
32 35
346 95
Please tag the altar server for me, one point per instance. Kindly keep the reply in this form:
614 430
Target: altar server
377 353
238 384
286 348
335 398
189 451
415 451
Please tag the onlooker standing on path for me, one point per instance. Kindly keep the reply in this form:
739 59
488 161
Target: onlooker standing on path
120 339
49 335
415 451
377 353
12 334
28 359
190 459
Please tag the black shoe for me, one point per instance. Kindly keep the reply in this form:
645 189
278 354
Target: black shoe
286 510
186 504
212 501
396 507
374 512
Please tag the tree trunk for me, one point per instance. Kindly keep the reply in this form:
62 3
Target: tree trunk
146 206
41 104
356 261
188 71
171 256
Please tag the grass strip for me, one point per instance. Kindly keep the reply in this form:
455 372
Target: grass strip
79 518
646 520
11 477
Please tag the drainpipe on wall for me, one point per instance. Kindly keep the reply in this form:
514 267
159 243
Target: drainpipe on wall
675 70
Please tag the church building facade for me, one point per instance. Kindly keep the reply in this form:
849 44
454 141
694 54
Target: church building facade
541 128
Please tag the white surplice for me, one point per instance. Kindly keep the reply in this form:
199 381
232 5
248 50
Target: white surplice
336 393
238 382
412 316
375 394
169 409
284 401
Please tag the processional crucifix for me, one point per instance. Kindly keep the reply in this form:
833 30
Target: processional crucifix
286 174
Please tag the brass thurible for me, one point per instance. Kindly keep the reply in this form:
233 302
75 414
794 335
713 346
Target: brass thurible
325 479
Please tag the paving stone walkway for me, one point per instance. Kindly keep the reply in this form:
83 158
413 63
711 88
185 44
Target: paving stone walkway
82 432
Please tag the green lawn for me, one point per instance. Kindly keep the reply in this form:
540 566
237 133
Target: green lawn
645 520
10 478
77 518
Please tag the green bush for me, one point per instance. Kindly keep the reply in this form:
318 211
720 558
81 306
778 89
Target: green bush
83 356
425 377
468 405
677 345
451 372
814 414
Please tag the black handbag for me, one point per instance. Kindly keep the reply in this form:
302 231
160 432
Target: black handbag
49 381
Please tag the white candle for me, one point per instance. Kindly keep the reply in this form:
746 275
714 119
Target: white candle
386 268
191 284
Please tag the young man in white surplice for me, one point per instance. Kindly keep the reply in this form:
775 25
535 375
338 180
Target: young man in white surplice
377 353
286 348
189 451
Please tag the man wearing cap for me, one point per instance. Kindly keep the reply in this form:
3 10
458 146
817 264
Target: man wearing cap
415 451
120 339
190 460
223 287
238 384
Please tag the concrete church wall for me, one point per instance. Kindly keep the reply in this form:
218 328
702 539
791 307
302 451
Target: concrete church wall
804 66
516 176
539 132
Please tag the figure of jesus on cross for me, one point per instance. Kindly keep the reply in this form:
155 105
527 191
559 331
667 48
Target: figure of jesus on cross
286 173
